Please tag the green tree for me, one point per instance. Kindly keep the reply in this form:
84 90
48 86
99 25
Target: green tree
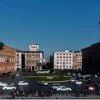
1 45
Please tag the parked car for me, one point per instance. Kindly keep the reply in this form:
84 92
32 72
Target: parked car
43 83
92 87
55 86
8 87
3 84
63 88
23 83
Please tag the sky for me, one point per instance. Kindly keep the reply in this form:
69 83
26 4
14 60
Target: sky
54 24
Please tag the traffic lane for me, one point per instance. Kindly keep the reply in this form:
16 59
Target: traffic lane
72 85
35 86
14 80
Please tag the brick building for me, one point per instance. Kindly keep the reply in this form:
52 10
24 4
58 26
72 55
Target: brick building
7 59
77 60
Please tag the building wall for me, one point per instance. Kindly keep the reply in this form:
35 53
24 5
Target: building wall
91 59
19 59
67 60
63 60
33 47
7 59
77 60
32 58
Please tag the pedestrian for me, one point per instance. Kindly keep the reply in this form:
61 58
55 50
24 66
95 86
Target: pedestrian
41 92
17 93
37 93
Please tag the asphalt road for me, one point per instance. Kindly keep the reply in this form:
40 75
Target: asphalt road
33 86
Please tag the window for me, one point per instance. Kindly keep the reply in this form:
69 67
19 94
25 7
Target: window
63 56
63 62
57 59
17 61
57 62
57 56
17 54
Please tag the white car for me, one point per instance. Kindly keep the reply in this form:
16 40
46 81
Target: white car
9 87
55 86
23 83
78 82
63 88
42 83
3 84
72 80
43 71
17 74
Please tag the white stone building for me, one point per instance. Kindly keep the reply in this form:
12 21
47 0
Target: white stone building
19 59
32 59
63 59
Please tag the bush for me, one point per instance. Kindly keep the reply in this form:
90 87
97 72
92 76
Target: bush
45 78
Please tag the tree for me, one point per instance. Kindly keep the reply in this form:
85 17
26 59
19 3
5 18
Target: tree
1 45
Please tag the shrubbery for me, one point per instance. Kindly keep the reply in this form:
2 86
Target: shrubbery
52 77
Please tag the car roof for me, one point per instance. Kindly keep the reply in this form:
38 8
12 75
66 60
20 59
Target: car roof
21 81
9 85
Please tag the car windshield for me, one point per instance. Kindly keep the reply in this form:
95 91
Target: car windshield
8 86
63 87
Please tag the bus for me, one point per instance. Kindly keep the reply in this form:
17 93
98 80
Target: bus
84 78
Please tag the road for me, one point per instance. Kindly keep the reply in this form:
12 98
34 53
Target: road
35 90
